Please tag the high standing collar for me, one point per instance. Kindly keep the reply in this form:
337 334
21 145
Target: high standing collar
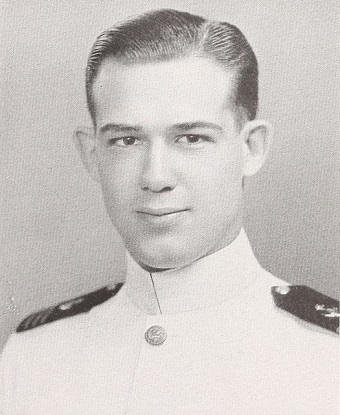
216 278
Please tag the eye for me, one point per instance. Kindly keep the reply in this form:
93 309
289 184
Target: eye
128 141
192 139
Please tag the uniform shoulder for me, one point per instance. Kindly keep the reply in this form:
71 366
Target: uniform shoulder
308 305
69 308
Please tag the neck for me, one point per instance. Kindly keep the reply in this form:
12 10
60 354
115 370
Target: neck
213 279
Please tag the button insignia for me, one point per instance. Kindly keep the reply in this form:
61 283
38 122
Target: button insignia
155 335
282 290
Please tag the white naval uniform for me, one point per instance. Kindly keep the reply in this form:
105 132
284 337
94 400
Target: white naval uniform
228 350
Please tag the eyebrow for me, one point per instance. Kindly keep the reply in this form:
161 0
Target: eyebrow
187 126
197 124
119 128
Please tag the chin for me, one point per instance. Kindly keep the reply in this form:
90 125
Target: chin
165 258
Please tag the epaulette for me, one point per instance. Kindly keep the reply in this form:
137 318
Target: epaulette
69 308
308 305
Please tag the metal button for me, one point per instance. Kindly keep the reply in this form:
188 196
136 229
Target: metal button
155 335
282 290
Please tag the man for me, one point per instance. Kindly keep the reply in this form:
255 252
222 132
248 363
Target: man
194 329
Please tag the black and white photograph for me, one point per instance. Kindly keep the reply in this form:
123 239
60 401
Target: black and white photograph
169 211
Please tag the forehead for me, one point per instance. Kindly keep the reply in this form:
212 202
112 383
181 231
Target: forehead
176 91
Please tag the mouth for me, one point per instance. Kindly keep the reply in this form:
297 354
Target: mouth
161 211
161 217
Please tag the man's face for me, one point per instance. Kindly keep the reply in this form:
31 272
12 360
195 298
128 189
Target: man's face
169 158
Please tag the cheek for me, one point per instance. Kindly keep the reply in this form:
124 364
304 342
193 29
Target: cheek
219 174
118 181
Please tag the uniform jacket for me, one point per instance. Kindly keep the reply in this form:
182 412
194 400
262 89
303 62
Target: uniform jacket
206 339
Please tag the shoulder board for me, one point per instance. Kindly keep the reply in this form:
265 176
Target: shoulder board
69 308
308 305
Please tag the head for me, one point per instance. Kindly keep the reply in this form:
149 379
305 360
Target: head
173 100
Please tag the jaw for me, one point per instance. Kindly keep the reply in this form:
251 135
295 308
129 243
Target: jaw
152 270
161 252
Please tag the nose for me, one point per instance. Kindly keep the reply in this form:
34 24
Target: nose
158 174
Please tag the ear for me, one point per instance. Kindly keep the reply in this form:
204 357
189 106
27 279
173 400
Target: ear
256 136
84 140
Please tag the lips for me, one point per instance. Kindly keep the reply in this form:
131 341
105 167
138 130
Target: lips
160 211
162 218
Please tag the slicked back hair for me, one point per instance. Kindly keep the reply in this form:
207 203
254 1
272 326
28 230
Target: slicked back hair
164 35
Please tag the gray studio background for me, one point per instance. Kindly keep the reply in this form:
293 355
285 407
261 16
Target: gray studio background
55 239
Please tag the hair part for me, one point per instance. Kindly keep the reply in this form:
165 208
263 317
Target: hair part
165 35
